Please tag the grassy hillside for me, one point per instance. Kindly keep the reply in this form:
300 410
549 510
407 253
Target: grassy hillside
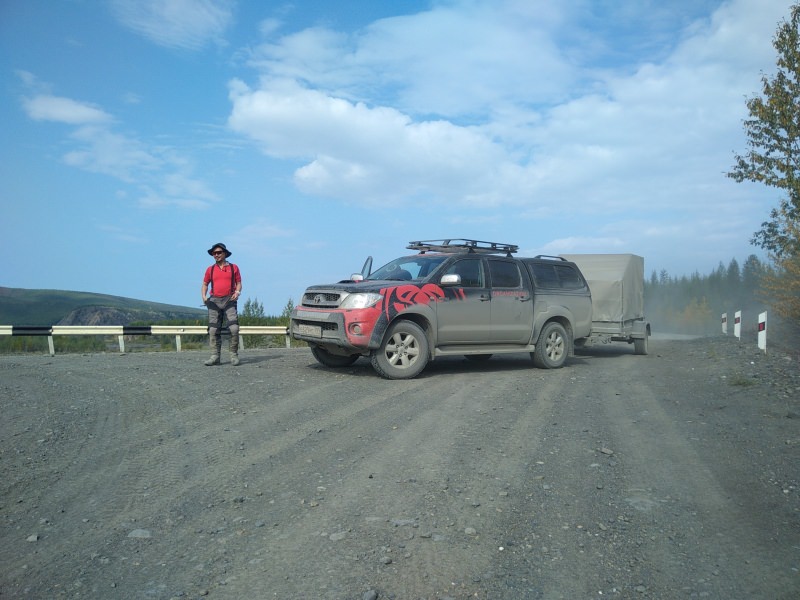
49 307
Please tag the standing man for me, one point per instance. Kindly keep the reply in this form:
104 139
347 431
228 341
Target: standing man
226 287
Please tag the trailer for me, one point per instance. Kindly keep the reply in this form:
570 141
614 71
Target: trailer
616 282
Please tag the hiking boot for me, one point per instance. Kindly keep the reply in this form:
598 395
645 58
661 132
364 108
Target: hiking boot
214 360
234 359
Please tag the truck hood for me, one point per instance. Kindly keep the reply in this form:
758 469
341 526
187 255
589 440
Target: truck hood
360 287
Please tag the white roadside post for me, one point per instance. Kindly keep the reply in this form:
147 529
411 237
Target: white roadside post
762 332
737 324
724 323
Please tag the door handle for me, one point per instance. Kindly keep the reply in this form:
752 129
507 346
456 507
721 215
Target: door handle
485 297
524 298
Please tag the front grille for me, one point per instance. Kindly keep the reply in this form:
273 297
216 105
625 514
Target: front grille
322 299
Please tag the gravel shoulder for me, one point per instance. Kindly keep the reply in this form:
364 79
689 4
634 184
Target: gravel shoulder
148 475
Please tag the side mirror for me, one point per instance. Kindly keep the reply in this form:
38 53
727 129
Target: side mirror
357 277
450 280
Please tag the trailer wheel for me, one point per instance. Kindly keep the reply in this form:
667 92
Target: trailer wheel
552 348
403 353
334 361
640 345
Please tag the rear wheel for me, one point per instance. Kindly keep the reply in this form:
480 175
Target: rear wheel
552 348
403 353
334 361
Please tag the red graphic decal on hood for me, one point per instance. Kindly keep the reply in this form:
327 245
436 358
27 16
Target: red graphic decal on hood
399 298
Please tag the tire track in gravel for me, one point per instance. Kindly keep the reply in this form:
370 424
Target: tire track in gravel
411 496
677 493
556 514
283 479
136 443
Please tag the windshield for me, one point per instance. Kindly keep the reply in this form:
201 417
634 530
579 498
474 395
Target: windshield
408 268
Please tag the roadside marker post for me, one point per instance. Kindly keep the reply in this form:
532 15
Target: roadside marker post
724 323
737 324
762 332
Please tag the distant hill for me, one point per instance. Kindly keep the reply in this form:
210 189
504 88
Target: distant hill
58 307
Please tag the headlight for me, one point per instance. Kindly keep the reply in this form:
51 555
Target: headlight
360 300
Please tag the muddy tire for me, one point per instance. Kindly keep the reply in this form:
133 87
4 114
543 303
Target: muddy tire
404 352
552 348
640 345
334 361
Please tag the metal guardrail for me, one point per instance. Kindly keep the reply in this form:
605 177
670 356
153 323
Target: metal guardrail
128 330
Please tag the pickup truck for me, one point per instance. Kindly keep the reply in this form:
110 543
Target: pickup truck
452 297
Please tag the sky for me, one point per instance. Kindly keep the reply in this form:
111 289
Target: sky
307 135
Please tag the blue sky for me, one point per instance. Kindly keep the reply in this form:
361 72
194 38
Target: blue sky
307 135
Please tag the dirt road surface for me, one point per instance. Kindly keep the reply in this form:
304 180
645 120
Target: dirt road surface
148 475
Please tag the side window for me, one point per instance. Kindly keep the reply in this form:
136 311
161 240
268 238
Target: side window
570 280
504 274
545 275
470 270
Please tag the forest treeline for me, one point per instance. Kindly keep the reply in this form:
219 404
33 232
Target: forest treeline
694 304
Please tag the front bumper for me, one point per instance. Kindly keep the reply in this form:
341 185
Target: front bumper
349 330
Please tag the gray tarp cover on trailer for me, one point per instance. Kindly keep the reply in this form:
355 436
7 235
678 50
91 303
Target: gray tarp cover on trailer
616 282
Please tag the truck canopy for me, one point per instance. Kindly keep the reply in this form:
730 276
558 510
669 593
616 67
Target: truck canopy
617 285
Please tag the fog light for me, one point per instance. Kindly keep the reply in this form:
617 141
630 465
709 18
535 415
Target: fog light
355 328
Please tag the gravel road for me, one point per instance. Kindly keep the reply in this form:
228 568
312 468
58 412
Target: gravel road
148 475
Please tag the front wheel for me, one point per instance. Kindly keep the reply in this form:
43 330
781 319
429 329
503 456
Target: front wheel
403 353
334 361
552 348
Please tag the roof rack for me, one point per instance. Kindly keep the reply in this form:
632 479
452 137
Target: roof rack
453 246
549 257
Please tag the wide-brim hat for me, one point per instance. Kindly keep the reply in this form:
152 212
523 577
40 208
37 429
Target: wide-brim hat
220 245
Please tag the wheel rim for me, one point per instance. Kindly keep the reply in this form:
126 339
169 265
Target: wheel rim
402 350
554 348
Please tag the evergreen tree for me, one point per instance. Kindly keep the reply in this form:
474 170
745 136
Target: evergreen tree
287 311
752 272
253 309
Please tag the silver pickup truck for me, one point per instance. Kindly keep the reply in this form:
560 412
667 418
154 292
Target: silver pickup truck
451 297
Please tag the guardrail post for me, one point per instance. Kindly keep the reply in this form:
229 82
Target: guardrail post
122 344
51 345
178 342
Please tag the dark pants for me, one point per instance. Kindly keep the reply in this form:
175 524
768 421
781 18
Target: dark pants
219 308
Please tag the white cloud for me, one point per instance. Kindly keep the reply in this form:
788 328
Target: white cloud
521 119
153 199
464 59
579 245
123 235
182 24
163 176
257 238
372 154
102 151
63 110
